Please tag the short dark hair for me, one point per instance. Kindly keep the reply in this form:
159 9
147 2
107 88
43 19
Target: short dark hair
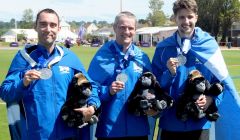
47 10
185 4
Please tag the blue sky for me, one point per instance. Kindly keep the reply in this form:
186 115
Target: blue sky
78 10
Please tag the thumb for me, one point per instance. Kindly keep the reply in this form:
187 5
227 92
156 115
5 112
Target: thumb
78 109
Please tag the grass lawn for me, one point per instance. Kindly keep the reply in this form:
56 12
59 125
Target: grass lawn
4 133
85 54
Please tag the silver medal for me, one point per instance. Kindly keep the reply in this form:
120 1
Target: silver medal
181 60
122 77
45 73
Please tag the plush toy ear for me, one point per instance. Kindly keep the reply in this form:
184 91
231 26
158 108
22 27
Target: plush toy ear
151 76
195 74
81 78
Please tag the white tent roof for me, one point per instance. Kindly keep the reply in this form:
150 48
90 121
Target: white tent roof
29 33
63 34
8 36
154 30
105 31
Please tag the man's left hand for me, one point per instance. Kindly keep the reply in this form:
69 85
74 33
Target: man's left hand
204 101
87 112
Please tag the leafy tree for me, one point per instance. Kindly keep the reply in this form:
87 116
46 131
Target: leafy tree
142 21
95 22
27 19
102 23
4 27
13 23
27 15
157 16
230 13
74 25
208 13
21 37
217 16
155 5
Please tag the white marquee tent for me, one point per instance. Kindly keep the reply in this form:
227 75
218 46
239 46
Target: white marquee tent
65 32
31 34
11 35
148 32
154 30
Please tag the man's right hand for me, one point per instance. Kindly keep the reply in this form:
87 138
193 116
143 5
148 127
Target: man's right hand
30 76
116 86
172 64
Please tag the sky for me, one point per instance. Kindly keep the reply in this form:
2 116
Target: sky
80 10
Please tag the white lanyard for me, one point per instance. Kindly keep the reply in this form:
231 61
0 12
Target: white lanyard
33 63
122 63
184 46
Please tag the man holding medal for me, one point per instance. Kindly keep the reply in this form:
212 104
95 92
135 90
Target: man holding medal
38 79
174 59
116 67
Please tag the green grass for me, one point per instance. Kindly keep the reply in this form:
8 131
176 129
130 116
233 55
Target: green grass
5 61
85 54
4 131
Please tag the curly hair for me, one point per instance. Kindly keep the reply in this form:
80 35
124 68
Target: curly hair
185 4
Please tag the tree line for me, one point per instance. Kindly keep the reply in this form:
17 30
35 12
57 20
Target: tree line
214 16
217 16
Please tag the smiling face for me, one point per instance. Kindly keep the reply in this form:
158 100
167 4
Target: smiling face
186 21
47 27
125 29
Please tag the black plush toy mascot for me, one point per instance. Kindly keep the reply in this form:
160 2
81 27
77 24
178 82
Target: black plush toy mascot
79 91
197 85
147 94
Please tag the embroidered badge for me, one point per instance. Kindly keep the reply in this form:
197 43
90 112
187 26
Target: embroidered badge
64 69
137 68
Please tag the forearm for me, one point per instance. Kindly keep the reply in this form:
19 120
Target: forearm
105 93
12 91
166 79
161 72
94 98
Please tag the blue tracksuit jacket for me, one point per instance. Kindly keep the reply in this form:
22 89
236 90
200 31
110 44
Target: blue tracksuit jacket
43 99
115 121
175 85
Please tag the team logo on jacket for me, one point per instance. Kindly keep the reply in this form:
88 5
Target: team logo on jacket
197 61
64 69
137 68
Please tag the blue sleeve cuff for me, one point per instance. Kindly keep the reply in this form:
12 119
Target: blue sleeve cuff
105 94
21 88
94 98
167 78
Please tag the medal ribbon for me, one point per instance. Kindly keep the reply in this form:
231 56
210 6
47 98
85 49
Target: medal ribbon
123 63
28 58
57 58
183 46
48 63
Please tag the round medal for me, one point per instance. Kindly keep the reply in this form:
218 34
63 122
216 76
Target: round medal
45 73
122 77
181 60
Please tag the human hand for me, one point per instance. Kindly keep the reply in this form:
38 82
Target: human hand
30 76
116 86
204 102
87 112
172 64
